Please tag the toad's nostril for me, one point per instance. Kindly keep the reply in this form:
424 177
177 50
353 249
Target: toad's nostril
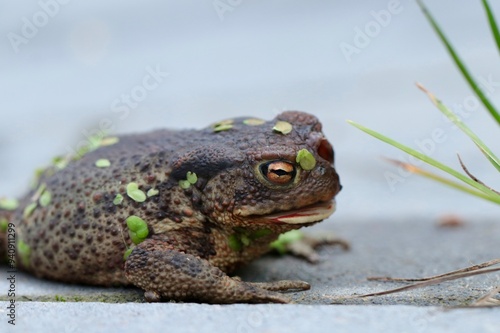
325 150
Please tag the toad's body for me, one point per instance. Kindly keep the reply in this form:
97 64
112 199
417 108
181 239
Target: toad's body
173 211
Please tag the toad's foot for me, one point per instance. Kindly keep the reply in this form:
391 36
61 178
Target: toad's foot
301 245
165 273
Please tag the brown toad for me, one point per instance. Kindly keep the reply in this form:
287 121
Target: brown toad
174 212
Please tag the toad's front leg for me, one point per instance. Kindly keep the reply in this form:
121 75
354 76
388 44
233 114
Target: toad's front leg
166 273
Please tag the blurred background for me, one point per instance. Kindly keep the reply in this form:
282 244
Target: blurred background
70 68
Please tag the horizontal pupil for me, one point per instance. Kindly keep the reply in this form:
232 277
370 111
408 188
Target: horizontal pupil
280 172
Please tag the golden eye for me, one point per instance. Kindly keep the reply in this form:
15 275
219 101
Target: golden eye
278 172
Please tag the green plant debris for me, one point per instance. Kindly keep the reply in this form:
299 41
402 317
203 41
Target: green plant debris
245 240
184 184
253 122
93 143
234 242
242 237
260 233
59 298
8 204
39 192
138 229
127 253
118 199
4 223
102 163
191 177
110 140
283 240
45 198
60 162
152 192
306 159
221 128
223 125
29 209
282 127
134 193
24 251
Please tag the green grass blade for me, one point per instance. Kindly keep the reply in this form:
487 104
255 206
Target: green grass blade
486 102
492 196
492 161
443 180
460 124
493 23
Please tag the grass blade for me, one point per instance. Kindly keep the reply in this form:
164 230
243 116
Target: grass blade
442 180
486 102
457 121
493 23
492 196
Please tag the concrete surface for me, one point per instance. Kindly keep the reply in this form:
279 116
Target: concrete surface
404 248
99 317
259 58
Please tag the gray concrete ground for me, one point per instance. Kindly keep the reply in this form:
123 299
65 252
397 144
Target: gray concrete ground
101 317
404 248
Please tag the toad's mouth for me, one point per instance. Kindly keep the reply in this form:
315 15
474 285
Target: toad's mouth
308 214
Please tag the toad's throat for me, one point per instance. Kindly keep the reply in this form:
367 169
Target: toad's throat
309 214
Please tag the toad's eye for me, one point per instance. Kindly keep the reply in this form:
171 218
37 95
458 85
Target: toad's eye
278 172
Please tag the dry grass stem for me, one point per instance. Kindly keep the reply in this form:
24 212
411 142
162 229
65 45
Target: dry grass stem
424 282
474 178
